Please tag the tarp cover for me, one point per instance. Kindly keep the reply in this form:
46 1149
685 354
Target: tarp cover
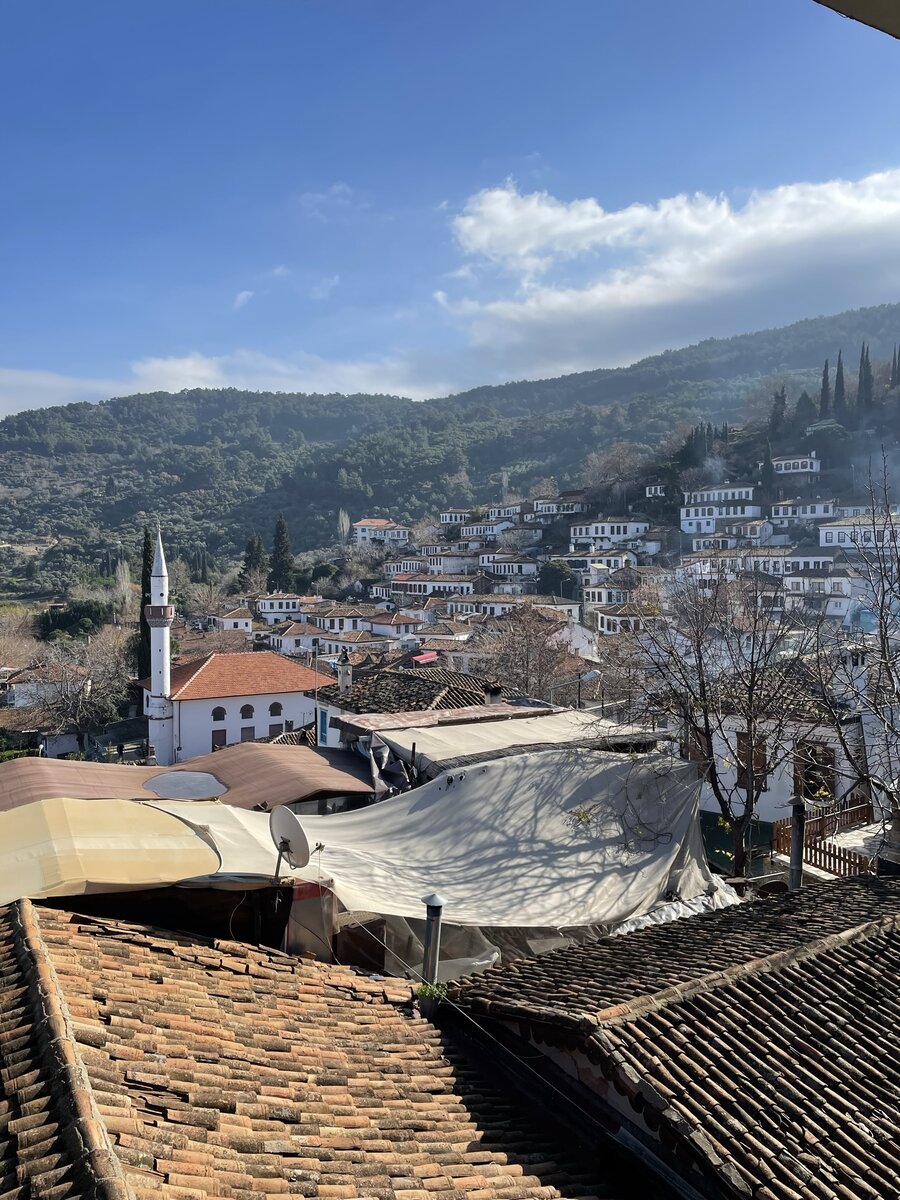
65 846
553 839
444 743
245 776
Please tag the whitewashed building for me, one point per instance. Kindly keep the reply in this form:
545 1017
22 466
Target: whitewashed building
222 699
380 530
705 506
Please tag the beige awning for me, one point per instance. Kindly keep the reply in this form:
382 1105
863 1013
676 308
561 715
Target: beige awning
66 847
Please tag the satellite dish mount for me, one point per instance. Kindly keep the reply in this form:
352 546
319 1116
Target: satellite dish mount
290 839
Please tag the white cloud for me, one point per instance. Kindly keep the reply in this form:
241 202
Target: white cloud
280 272
338 199
323 287
250 369
241 299
594 287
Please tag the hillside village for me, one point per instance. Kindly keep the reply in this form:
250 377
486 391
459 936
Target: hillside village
517 855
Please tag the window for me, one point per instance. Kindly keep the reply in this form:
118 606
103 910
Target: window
829 536
275 710
275 729
218 739
246 712
760 762
696 750
248 733
814 775
218 714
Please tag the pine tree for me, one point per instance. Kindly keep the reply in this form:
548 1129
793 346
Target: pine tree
825 394
767 475
805 412
282 573
143 648
840 395
894 379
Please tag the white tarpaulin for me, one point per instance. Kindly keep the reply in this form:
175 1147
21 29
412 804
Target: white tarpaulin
554 839
65 847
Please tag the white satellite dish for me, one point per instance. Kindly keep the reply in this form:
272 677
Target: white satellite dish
289 837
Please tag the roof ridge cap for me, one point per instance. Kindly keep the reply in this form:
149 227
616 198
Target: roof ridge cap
86 1136
619 1014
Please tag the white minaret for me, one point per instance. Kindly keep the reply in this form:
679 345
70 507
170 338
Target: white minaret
160 614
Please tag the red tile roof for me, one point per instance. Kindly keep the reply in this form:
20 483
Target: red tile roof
137 1064
255 673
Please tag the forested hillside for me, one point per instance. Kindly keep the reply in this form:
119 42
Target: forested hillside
214 465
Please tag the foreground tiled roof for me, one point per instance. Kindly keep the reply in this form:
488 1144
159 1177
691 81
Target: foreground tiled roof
254 673
141 1064
761 1043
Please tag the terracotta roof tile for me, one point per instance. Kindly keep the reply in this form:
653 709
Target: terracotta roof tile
136 1063
761 1042
253 673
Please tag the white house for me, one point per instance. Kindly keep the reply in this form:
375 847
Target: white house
507 564
564 505
486 528
862 532
298 637
806 757
380 530
801 512
654 490
283 606
221 699
706 505
240 619
496 605
795 464
606 529
455 516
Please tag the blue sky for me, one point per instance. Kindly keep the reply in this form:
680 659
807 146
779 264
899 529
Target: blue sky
418 197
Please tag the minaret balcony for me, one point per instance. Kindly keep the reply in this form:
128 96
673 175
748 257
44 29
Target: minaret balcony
159 616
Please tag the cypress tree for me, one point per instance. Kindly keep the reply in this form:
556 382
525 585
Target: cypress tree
894 379
840 396
143 648
870 382
255 566
861 383
282 572
767 475
825 394
778 413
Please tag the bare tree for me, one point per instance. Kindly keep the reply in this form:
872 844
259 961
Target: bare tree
85 681
124 600
343 525
862 670
18 646
729 670
206 598
523 650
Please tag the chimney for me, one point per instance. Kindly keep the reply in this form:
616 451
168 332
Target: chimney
492 693
344 673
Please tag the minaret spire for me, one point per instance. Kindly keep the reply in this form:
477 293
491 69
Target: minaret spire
160 614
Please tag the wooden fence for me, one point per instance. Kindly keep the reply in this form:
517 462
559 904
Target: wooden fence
818 851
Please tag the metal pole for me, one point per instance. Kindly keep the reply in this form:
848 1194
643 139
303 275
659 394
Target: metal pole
579 691
798 827
434 905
